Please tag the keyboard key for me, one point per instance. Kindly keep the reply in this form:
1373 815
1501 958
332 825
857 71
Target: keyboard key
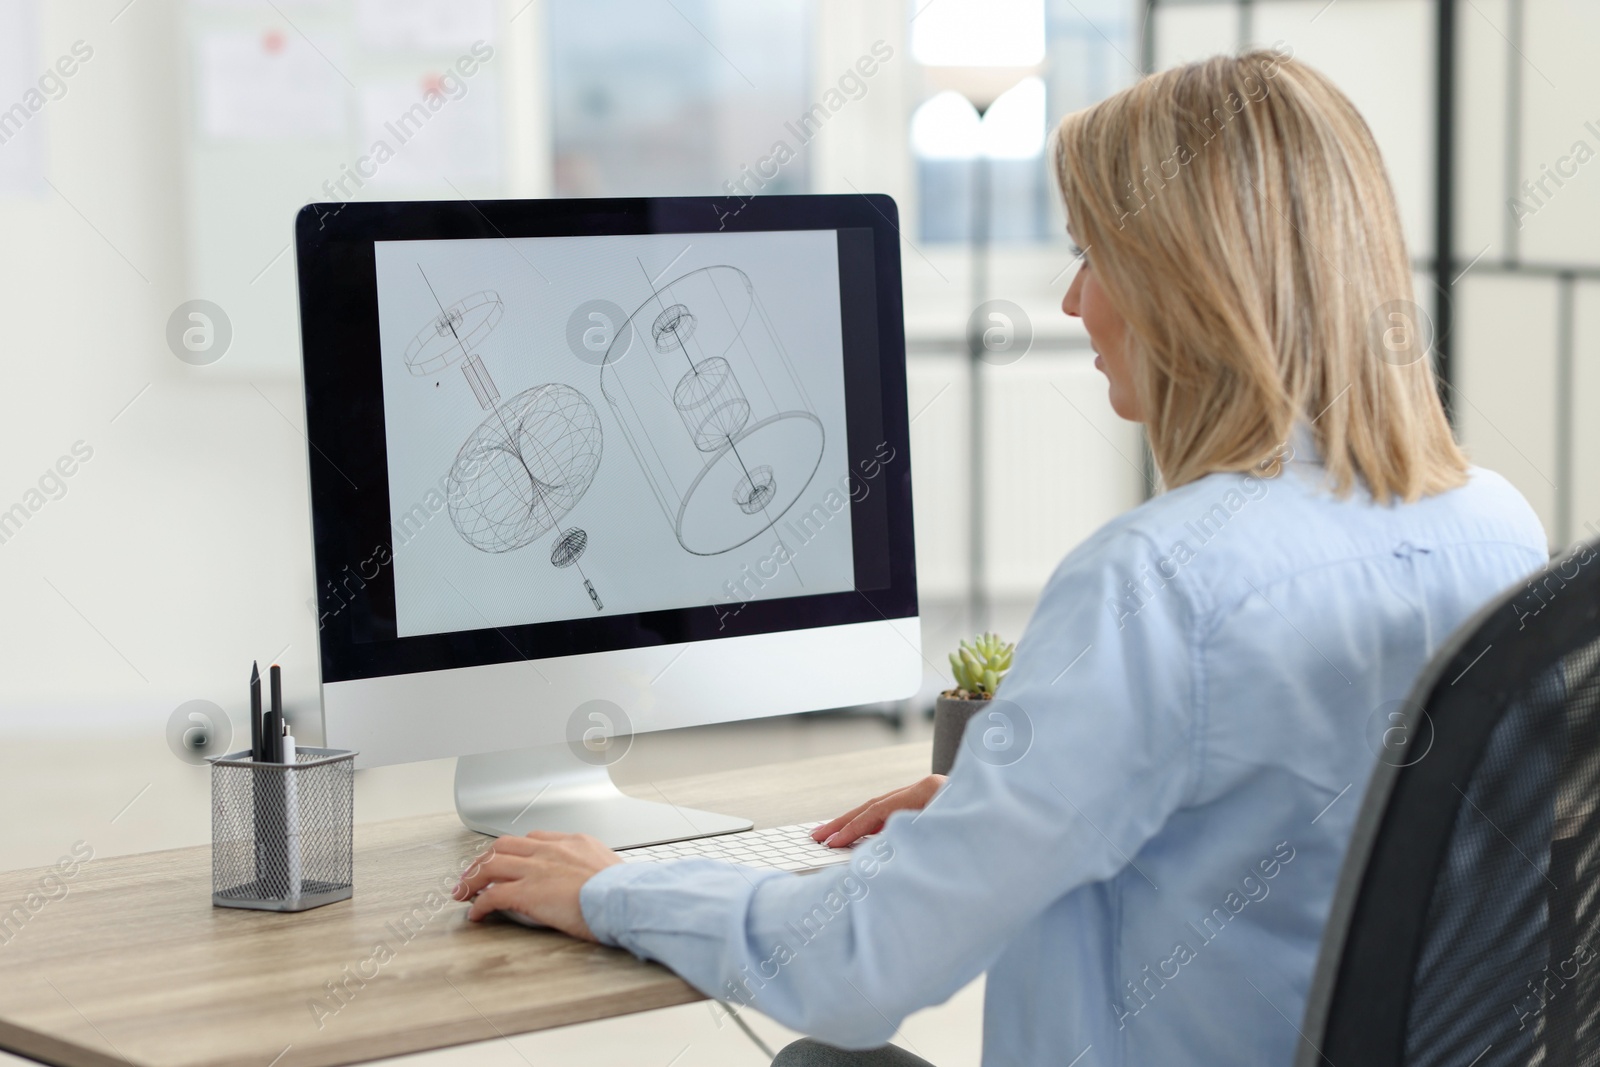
785 848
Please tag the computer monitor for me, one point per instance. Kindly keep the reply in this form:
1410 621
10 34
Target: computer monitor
581 469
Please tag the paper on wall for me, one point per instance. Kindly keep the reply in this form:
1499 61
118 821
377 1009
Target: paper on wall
423 25
429 130
268 86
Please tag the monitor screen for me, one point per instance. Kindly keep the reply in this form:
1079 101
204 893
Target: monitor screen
549 428
612 424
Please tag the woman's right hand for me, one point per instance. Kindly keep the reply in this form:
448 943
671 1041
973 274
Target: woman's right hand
869 818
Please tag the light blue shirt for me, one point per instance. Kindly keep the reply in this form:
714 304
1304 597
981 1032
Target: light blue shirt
1141 852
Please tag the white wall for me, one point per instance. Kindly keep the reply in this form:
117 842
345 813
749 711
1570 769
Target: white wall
1506 381
1585 396
94 262
1513 398
181 550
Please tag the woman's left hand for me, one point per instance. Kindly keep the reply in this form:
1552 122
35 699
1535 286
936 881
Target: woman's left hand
539 875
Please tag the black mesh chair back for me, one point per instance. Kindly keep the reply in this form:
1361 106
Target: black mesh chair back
1465 929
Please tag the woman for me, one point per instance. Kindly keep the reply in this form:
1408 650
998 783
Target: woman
1147 882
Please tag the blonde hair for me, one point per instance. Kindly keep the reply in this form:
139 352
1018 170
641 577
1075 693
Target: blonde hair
1238 215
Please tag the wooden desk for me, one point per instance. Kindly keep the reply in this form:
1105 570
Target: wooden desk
134 966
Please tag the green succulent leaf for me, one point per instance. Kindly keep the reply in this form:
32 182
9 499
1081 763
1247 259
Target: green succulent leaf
980 664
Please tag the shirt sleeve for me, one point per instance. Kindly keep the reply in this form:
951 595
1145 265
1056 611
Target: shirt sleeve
1089 747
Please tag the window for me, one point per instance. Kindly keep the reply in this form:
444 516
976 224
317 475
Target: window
675 98
1063 55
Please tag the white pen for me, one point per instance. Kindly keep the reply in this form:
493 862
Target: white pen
291 815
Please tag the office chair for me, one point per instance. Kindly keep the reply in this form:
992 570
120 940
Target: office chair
1465 927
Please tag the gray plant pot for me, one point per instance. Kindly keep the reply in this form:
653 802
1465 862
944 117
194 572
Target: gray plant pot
950 717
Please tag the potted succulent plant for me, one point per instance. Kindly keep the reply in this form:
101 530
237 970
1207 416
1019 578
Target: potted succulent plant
979 667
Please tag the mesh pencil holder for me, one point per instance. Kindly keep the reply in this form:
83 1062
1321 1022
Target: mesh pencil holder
281 834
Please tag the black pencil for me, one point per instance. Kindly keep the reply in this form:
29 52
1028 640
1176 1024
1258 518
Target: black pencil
259 797
255 713
275 738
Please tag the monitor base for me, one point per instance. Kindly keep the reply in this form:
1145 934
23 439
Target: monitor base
550 788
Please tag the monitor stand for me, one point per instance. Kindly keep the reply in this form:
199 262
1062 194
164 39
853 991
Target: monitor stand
551 788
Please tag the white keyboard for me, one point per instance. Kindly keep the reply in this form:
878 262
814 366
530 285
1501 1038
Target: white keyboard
784 848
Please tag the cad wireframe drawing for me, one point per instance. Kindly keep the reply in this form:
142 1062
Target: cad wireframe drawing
711 407
529 463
